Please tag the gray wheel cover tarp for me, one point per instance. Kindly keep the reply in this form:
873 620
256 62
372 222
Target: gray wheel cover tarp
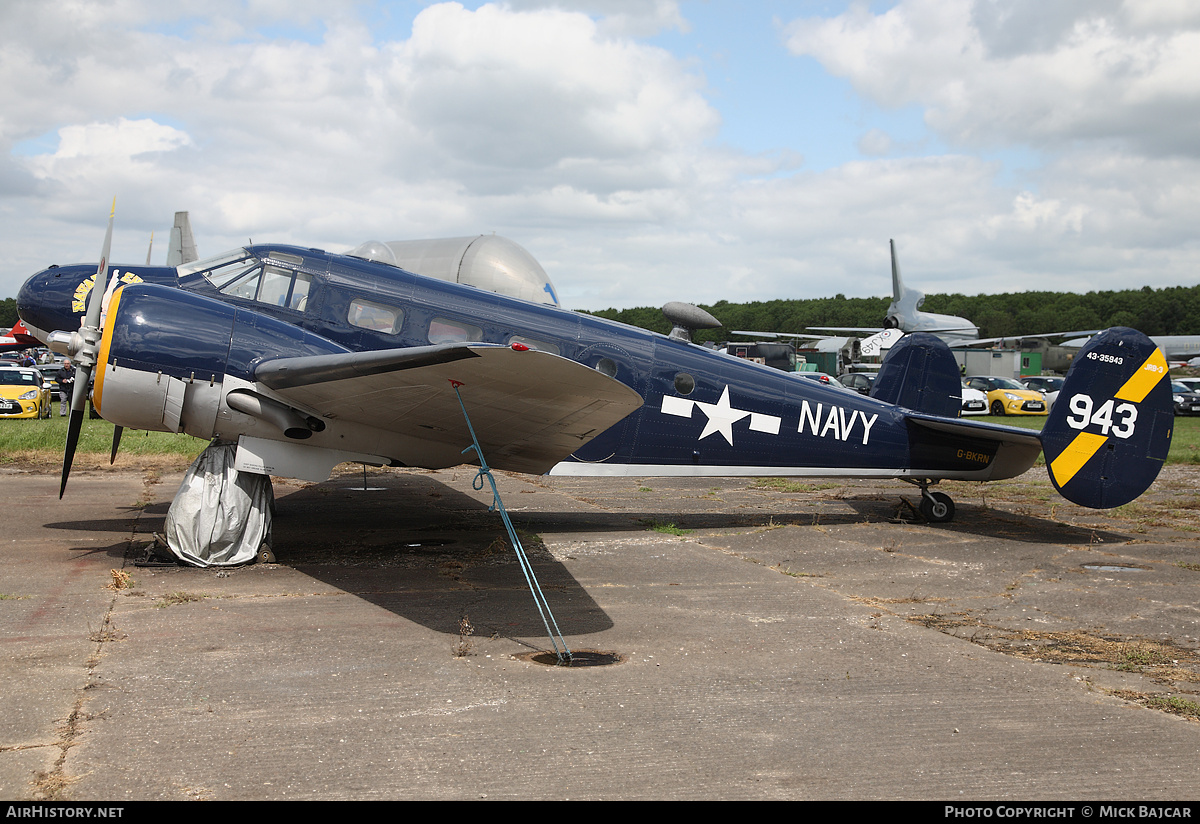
220 517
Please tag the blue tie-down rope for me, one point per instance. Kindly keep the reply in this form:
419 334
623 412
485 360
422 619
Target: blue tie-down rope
564 655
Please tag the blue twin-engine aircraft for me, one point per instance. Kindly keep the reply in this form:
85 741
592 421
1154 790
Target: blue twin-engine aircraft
307 359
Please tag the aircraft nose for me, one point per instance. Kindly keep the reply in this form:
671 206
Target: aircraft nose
44 300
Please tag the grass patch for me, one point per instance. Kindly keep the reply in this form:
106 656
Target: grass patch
173 598
1135 658
1174 704
784 485
1185 441
666 528
41 442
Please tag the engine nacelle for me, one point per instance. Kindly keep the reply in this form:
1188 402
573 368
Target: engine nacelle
166 353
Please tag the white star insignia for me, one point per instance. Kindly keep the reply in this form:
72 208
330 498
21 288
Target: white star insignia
721 417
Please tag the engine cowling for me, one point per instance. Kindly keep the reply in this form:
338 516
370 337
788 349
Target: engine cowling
166 355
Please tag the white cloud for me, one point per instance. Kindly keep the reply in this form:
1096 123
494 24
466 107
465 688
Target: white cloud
875 143
553 124
122 140
992 74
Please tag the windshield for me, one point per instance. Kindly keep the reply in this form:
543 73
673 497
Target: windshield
15 377
237 260
1008 383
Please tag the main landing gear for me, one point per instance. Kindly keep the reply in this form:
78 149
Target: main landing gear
936 507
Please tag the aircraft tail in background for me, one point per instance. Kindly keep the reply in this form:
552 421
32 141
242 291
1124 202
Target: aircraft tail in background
905 313
182 248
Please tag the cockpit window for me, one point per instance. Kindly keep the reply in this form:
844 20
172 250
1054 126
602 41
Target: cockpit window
215 264
242 283
276 283
299 298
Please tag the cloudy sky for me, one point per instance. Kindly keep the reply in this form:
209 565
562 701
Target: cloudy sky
642 150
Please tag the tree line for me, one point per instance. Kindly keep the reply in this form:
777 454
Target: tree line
1174 310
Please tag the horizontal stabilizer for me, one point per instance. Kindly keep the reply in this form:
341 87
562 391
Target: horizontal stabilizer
1110 430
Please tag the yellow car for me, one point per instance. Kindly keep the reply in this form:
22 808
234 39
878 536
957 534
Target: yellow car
1007 397
24 393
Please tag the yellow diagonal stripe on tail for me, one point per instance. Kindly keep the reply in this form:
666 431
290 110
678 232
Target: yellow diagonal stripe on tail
1077 453
1149 373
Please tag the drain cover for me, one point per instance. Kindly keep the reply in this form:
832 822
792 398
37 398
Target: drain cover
579 658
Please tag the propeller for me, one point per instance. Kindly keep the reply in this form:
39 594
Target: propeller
117 430
84 347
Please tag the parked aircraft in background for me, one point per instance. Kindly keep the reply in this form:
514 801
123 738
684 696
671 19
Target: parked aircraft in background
846 350
307 359
182 246
905 314
18 338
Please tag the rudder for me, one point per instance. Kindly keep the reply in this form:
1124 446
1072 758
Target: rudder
1110 430
920 373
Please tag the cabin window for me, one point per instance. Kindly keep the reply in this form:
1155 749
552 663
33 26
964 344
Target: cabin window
444 330
685 384
366 314
540 345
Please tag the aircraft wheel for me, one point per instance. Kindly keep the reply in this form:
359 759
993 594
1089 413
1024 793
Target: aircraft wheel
937 507
265 555
998 409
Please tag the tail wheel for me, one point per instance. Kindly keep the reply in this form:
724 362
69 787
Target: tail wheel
997 409
937 507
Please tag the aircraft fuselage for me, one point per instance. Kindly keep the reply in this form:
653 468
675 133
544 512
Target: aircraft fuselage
704 412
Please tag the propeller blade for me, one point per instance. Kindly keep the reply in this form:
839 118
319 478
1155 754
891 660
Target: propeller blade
97 297
74 425
85 356
117 430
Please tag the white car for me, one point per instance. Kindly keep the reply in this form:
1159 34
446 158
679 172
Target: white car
1048 385
974 402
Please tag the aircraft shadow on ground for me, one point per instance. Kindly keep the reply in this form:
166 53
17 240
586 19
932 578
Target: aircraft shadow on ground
429 554
985 522
420 549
